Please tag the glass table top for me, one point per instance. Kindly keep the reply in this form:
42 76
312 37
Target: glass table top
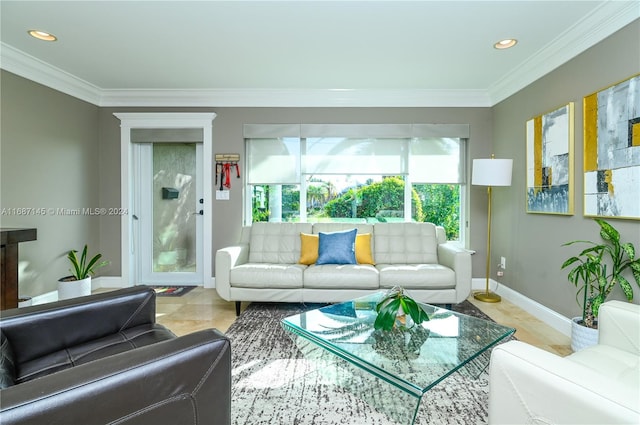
413 360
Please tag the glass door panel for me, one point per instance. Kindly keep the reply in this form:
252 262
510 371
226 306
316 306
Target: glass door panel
174 203
170 214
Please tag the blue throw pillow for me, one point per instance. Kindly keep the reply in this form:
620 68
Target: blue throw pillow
337 247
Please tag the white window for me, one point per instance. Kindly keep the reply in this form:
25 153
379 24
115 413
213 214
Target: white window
356 173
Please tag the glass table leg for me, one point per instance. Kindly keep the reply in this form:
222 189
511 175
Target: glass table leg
396 403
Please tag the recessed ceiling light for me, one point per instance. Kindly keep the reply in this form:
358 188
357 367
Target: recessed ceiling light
506 43
42 35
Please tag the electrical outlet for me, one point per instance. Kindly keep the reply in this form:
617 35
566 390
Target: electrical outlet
503 263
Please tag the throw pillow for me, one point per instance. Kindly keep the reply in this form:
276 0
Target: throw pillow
363 249
308 249
337 247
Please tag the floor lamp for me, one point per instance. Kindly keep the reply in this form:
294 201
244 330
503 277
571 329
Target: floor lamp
490 172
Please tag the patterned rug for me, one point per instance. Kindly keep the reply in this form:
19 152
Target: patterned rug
273 383
171 290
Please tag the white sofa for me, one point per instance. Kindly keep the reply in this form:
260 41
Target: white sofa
596 385
264 265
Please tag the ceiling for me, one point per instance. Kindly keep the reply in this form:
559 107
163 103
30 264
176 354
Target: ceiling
299 53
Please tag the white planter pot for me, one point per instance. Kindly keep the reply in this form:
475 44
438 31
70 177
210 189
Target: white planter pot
581 336
74 288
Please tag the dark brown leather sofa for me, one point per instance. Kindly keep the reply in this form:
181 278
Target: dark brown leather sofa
103 359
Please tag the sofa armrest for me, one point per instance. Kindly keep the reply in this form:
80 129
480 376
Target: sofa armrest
459 260
226 259
182 380
530 385
619 326
45 328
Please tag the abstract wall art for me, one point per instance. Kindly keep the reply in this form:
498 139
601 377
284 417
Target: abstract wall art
550 140
612 151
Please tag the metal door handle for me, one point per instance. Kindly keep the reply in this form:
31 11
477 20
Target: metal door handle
201 212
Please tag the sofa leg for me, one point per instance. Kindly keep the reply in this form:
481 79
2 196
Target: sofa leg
238 305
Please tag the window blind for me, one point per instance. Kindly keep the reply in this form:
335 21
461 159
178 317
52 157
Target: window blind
273 161
282 153
437 160
354 156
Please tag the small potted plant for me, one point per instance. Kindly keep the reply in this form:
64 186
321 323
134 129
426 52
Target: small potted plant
398 310
596 271
79 282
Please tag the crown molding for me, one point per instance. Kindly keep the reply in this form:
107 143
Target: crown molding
575 40
31 68
34 69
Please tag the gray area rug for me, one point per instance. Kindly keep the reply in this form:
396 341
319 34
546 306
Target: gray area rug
274 383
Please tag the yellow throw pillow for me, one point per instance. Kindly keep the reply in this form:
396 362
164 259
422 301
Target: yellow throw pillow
308 248
363 249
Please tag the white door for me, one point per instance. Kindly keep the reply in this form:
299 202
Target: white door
166 237
168 213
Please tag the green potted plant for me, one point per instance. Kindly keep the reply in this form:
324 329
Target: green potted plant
79 282
398 310
596 271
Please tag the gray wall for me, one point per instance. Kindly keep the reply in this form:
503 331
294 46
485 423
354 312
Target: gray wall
228 138
532 242
62 152
49 159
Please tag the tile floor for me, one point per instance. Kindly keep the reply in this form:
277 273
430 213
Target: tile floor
203 308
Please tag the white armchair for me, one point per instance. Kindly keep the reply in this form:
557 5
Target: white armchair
597 385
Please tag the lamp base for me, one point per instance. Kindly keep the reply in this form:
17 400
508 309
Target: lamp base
487 297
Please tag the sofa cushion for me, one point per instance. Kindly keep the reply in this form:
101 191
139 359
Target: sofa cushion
405 243
125 340
308 249
618 365
416 276
276 242
341 276
337 247
266 275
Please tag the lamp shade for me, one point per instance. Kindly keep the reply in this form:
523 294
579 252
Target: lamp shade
491 172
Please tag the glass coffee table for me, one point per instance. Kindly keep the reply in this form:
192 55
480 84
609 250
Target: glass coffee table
393 370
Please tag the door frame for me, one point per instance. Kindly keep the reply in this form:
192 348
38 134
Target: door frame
129 121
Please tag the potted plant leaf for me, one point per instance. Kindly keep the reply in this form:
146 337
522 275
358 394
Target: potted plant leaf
398 310
595 272
79 282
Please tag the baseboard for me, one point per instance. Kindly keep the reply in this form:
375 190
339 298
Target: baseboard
550 317
47 297
479 284
555 320
108 282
